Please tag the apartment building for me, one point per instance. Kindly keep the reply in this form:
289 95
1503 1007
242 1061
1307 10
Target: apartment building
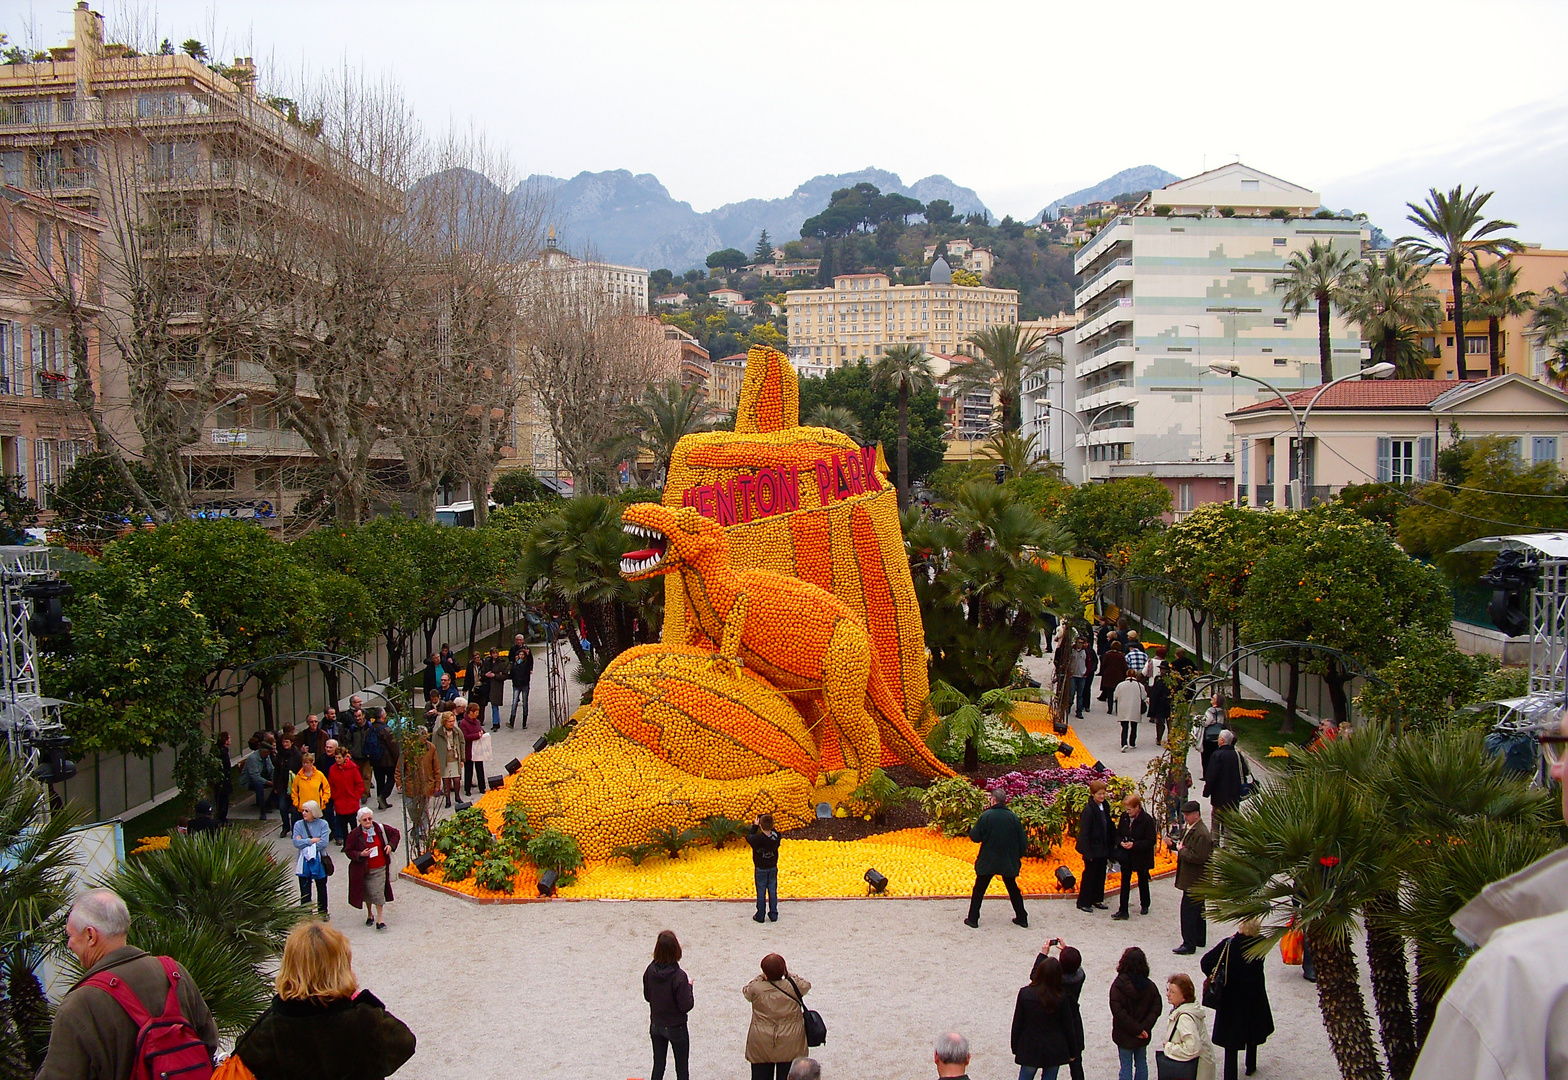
978 260
192 147
862 314
1190 277
48 253
728 373
625 285
1518 350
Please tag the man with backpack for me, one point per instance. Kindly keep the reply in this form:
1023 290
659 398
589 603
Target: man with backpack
132 1016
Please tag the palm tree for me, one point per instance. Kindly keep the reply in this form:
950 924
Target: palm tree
1392 301
837 418
1317 278
1009 355
905 368
36 886
1496 296
1013 451
1456 231
963 718
1551 322
666 414
220 904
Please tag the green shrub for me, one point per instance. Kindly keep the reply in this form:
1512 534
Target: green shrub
1045 825
633 853
563 732
459 865
1000 743
672 840
551 849
954 805
497 873
879 793
718 830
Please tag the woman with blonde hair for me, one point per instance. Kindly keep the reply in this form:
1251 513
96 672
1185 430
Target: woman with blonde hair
321 1025
1242 1018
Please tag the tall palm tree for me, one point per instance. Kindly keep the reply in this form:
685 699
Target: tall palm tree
906 369
1317 278
1391 300
836 417
1551 322
1496 296
1456 231
1009 355
665 414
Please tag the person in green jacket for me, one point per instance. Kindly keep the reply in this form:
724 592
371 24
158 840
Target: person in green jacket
1002 843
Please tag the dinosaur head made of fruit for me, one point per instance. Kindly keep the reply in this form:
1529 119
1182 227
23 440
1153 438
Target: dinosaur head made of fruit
675 537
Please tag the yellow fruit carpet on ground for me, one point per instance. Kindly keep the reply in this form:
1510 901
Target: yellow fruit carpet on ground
917 862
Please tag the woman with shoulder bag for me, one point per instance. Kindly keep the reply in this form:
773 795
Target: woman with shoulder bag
667 990
778 1025
1042 1035
1239 997
321 1025
369 849
1188 1054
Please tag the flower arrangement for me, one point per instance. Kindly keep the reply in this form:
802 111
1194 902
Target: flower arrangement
1237 712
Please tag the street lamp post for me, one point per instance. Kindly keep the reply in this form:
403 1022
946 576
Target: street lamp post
1298 454
1047 403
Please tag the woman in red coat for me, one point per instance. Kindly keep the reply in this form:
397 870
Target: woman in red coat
369 849
348 788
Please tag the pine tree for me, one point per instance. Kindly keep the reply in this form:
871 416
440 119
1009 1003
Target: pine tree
764 250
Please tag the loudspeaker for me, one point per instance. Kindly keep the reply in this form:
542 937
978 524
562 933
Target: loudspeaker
424 863
878 882
513 765
547 881
495 782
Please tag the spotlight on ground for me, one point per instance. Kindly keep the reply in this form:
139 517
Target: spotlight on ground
824 811
540 743
878 882
547 882
1065 880
495 782
513 765
424 863
459 804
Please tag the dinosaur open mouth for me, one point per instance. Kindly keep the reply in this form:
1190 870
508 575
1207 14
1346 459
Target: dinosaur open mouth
644 559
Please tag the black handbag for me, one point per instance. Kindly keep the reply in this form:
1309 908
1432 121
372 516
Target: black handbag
1214 984
1170 1069
816 1028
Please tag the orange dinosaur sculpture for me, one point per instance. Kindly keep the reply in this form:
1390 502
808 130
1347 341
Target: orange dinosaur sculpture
794 635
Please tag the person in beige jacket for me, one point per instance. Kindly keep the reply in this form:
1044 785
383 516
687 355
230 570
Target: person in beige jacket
778 1031
1188 1032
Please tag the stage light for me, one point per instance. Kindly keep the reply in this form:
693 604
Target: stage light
547 882
1065 880
878 882
48 622
495 782
459 804
513 765
540 743
424 863
1512 576
824 811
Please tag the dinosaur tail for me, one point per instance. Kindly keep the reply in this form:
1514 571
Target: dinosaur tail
896 729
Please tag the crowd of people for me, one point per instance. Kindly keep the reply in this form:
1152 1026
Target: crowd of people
1136 683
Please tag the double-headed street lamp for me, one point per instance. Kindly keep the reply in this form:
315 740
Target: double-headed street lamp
1047 403
1298 455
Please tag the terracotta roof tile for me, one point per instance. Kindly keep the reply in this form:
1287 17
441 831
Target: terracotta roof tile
1369 394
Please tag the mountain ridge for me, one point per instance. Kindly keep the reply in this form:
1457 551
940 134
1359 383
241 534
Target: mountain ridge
1137 178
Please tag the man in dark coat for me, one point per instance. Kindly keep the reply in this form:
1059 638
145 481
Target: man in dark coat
92 1034
1222 779
1002 843
1096 832
1192 858
1135 835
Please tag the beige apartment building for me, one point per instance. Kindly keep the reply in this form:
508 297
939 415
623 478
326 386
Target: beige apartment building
862 314
200 150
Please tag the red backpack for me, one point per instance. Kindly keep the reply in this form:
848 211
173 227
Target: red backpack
167 1046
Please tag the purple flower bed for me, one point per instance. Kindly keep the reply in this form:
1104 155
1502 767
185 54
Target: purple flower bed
1047 782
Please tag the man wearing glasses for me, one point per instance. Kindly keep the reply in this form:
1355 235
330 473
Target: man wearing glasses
1506 1016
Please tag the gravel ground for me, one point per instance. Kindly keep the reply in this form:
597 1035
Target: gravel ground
553 990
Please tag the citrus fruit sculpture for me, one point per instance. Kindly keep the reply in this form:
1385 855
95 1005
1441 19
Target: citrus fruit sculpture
793 657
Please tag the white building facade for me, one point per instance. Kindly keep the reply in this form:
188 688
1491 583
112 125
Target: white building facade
1192 277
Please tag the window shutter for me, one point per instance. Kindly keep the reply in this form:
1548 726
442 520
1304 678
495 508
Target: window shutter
1543 448
17 357
24 464
37 336
1382 460
1424 448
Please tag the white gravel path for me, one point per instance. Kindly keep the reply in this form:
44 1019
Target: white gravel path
553 991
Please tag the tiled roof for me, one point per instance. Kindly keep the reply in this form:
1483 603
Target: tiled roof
1369 394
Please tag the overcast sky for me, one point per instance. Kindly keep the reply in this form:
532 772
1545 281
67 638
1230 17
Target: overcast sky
1370 102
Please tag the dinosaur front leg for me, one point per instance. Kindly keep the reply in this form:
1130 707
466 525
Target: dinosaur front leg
728 657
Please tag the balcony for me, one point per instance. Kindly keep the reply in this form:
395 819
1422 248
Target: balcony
1115 351
1115 232
1117 271
1116 392
1118 312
